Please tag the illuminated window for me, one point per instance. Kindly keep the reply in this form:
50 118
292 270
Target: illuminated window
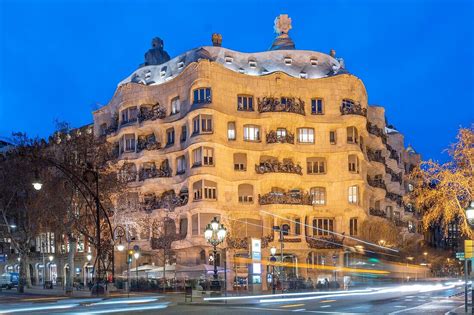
251 133
128 143
306 135
354 194
318 196
175 106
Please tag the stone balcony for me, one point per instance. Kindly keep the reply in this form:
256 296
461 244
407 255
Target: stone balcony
274 166
356 109
393 153
272 137
151 112
154 173
376 156
285 198
168 200
378 183
285 105
376 131
148 143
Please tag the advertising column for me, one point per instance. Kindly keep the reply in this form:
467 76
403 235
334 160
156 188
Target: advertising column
255 270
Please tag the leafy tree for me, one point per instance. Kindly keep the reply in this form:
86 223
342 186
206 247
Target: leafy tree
442 192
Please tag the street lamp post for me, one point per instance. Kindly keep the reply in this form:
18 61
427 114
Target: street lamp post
136 254
215 235
120 232
273 260
280 229
470 220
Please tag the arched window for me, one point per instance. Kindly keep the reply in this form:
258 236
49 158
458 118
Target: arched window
245 192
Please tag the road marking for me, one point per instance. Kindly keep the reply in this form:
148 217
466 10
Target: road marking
327 301
292 305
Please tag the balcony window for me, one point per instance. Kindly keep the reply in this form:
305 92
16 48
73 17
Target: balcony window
317 106
202 96
205 189
240 161
202 124
231 130
184 133
128 143
175 106
180 164
170 136
203 156
352 135
353 163
245 193
332 137
251 133
316 165
297 226
306 135
281 133
353 194
129 115
323 226
353 228
245 103
318 196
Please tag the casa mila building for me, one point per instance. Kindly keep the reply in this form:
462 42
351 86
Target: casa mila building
283 137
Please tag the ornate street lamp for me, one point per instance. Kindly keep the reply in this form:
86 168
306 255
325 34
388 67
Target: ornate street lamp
273 251
89 257
120 247
215 235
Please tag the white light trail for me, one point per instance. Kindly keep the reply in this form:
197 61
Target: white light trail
37 308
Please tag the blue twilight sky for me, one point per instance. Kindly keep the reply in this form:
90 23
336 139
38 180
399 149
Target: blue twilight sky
59 59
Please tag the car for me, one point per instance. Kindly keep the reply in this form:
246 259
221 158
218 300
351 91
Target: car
9 280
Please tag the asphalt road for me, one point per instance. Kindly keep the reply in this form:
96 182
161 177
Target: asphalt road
393 300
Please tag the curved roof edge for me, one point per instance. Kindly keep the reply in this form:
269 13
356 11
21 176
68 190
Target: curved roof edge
302 64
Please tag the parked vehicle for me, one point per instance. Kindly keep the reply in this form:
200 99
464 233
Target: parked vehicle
9 280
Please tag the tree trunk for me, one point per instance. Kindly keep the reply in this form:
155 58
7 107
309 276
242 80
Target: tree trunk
28 271
22 278
70 261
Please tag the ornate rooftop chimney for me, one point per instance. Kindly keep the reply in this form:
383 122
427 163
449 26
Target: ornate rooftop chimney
156 55
216 40
282 27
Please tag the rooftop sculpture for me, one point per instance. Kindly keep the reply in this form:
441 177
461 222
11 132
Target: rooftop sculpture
282 27
156 55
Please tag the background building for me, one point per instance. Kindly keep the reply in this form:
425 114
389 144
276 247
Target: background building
283 137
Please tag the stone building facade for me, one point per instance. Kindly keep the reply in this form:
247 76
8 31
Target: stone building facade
282 138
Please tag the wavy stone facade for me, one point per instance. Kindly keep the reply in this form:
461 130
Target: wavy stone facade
274 176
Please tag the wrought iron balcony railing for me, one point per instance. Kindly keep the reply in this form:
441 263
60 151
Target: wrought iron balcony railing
355 109
274 104
377 212
376 182
375 130
274 166
151 112
376 156
146 173
324 242
147 143
285 198
168 200
395 197
272 137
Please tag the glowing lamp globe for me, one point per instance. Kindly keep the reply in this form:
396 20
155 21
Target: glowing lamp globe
273 250
89 257
120 247
215 224
51 258
37 185
136 255
221 233
208 232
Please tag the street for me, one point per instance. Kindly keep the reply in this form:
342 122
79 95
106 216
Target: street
395 299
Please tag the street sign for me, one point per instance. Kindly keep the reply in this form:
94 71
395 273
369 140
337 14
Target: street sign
460 255
468 250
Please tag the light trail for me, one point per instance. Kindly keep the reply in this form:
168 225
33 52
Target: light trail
127 301
125 309
37 308
246 297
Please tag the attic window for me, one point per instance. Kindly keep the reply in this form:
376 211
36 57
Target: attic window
303 75
241 70
180 65
163 72
314 61
147 74
252 63
228 59
288 61
265 71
